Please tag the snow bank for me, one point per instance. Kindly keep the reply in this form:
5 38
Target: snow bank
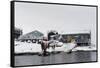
23 47
27 47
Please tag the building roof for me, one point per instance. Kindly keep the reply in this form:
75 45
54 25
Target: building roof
32 35
77 32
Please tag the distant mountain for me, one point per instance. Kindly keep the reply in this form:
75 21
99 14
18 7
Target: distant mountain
32 35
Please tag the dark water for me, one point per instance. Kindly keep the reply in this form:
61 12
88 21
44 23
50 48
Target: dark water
55 58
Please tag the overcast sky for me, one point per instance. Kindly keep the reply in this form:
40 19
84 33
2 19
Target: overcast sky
63 18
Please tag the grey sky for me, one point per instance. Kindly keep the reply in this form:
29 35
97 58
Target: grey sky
44 17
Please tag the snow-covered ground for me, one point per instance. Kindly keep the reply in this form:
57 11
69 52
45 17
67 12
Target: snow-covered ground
24 47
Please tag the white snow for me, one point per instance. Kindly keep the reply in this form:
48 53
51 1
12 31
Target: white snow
23 47
27 47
